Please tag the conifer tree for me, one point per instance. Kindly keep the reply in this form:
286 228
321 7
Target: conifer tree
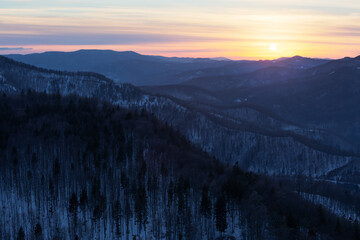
21 234
116 214
38 232
220 214
205 205
141 206
73 204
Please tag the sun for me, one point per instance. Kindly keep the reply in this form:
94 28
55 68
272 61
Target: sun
273 47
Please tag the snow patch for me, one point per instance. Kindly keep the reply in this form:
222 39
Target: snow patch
333 206
239 100
2 78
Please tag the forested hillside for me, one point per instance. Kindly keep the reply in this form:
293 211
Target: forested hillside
80 168
254 138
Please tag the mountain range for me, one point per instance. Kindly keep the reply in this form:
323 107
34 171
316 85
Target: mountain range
247 134
137 69
265 131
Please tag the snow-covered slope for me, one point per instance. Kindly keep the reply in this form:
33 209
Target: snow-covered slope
269 150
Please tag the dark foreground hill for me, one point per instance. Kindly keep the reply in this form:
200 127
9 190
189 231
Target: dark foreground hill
75 168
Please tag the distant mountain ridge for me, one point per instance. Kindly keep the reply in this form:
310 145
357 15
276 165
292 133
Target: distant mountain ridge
324 96
124 67
137 69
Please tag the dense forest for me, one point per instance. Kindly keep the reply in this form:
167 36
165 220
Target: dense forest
258 140
79 168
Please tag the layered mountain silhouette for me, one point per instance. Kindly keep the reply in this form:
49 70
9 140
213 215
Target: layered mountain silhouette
137 69
324 96
248 134
209 149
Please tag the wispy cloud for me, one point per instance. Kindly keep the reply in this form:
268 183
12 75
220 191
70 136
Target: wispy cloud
14 48
101 39
230 27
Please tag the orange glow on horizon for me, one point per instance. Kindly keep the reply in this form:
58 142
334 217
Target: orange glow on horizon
256 51
236 33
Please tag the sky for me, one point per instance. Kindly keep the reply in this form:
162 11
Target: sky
237 29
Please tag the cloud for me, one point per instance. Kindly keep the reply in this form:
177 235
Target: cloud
14 48
99 39
228 28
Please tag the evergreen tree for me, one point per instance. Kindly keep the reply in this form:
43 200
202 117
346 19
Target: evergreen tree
321 214
170 193
356 230
21 234
116 214
128 215
338 225
33 158
180 192
73 204
220 214
51 197
83 198
14 158
56 168
38 232
205 205
121 153
141 206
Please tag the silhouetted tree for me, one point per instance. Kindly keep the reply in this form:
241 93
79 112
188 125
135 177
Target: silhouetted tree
141 206
205 205
56 168
21 234
73 204
38 232
220 214
116 215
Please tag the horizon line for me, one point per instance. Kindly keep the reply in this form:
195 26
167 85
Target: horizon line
157 55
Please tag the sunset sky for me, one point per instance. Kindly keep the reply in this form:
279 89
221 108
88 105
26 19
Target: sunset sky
238 29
